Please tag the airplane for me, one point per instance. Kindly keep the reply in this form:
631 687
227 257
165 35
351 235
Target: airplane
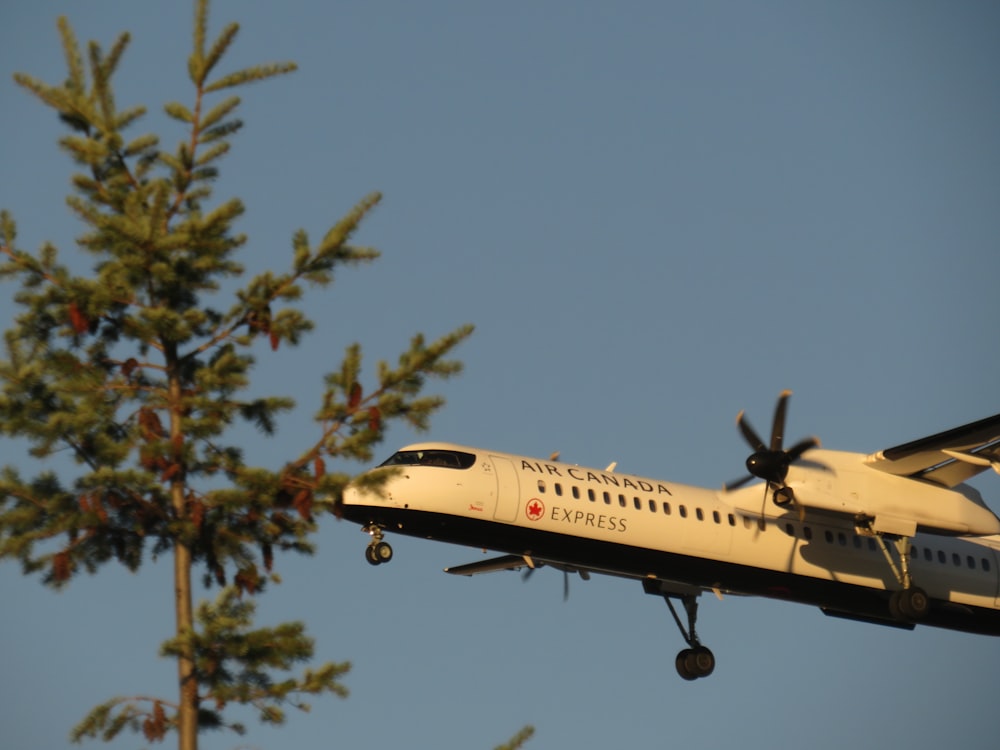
894 537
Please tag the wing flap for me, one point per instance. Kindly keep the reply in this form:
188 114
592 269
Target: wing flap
947 458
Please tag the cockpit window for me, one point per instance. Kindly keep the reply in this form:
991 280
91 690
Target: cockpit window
447 459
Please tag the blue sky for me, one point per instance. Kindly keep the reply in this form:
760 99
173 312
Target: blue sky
656 214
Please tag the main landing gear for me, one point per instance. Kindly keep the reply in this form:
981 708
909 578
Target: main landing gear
696 660
378 551
910 603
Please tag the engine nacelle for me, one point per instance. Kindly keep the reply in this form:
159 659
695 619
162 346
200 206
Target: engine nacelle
841 482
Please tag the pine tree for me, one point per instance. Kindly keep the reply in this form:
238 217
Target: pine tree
139 373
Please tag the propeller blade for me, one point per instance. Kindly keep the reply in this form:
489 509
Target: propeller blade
527 574
778 428
801 447
749 434
738 483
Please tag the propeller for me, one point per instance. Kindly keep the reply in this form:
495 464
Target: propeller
565 571
770 462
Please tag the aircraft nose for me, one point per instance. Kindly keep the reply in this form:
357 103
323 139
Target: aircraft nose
350 500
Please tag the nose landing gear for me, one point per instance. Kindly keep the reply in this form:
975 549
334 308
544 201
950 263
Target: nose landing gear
378 551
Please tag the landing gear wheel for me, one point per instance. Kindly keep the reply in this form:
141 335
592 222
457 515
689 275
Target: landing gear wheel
704 661
696 662
894 610
913 603
378 553
681 662
383 551
910 604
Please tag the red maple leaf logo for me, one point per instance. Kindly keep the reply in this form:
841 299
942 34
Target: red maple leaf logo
534 509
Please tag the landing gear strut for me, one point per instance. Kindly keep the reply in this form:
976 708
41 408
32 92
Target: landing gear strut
378 551
697 660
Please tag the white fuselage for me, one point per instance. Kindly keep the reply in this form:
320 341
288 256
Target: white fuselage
683 536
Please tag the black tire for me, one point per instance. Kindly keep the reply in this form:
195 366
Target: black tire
914 603
382 551
894 609
370 555
704 662
681 662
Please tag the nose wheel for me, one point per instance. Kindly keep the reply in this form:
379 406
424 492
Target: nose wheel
378 550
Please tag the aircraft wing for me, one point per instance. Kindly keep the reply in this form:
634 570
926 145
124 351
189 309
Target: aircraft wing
514 562
947 458
505 562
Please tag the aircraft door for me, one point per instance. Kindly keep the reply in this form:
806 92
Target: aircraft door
508 490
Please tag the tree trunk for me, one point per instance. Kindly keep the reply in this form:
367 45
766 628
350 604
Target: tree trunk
187 712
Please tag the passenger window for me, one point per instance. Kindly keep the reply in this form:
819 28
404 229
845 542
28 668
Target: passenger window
941 557
621 500
828 535
716 517
841 539
558 489
699 514
986 565
857 541
955 558
541 485
683 511
732 520
807 532
576 492
971 562
666 508
928 555
789 529
652 505
607 499
591 495
637 502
